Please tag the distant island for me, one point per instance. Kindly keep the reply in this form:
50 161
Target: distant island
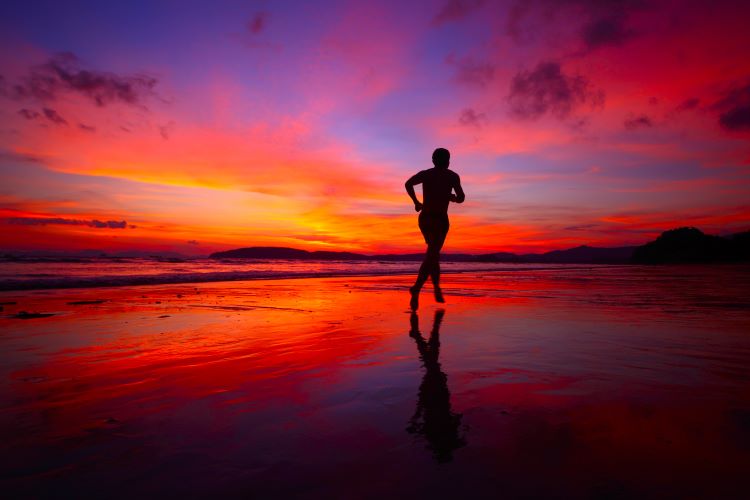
682 245
581 254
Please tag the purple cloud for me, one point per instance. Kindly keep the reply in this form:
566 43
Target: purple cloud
166 130
688 104
470 117
734 109
63 74
547 90
636 122
599 23
257 23
54 117
455 10
472 72
607 30
29 114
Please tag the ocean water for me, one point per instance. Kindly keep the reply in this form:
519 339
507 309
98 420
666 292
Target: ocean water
85 273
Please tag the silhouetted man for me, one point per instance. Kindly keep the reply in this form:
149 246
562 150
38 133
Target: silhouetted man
438 184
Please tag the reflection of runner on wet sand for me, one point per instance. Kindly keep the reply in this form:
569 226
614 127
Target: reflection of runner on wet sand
438 184
433 418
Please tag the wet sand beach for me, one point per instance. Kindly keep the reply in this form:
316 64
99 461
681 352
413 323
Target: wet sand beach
587 382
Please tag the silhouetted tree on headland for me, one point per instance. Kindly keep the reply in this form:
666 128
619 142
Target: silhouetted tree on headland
688 245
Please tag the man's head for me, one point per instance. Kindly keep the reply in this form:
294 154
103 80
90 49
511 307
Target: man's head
441 158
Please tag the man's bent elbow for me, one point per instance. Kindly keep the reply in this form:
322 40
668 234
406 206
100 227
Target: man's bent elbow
460 198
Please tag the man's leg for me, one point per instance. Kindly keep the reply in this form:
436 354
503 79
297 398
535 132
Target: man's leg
435 276
426 227
434 230
427 268
435 271
431 237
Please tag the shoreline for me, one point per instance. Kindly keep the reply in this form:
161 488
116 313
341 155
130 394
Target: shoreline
119 281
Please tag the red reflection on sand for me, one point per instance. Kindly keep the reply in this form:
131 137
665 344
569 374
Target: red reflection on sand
582 376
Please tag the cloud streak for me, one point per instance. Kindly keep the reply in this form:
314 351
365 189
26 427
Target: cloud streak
44 221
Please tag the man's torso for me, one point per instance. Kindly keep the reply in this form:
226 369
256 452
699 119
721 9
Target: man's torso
437 186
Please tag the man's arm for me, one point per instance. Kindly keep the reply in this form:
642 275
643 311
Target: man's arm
414 179
459 197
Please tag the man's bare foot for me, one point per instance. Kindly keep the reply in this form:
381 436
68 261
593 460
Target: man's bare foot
439 295
414 302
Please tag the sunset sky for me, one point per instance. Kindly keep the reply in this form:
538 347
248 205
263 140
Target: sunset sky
193 127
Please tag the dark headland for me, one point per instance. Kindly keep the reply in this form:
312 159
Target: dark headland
682 245
690 245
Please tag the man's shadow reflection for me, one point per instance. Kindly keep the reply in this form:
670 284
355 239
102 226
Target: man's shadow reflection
433 418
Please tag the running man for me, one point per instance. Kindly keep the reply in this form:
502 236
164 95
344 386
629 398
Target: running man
438 184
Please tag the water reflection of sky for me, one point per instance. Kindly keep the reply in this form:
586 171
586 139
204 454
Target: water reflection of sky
579 384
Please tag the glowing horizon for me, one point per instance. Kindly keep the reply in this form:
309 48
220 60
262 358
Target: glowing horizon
195 129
